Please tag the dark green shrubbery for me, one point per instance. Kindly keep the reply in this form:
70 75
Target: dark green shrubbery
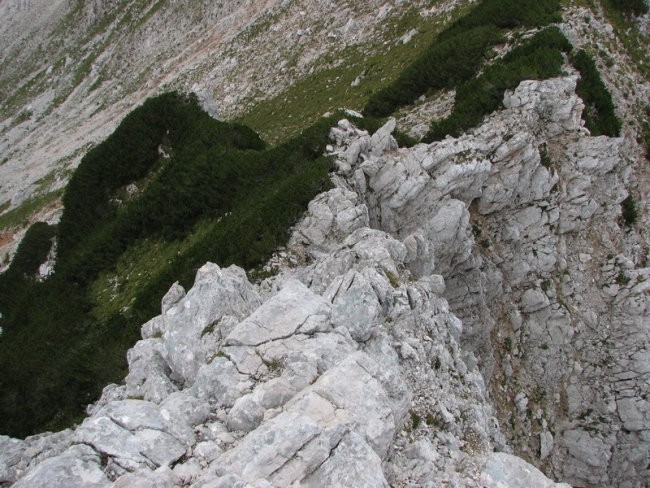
443 65
458 52
629 7
55 356
130 153
539 57
599 114
507 14
31 252
628 207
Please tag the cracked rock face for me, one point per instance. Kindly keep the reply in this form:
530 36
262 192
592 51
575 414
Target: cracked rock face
420 329
524 222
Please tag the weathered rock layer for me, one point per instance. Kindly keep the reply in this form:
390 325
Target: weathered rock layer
352 367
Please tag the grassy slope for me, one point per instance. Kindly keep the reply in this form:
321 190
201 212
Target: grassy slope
63 340
330 88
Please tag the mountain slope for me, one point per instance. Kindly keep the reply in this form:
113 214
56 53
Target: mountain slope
498 277
104 58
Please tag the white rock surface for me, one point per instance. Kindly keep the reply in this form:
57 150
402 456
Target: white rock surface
521 246
352 369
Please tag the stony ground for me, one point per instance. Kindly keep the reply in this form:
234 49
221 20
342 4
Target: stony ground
58 99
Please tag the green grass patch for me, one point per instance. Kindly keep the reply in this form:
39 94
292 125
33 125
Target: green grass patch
20 216
627 7
115 290
283 116
620 13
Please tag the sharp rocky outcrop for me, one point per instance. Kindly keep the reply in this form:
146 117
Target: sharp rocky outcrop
436 319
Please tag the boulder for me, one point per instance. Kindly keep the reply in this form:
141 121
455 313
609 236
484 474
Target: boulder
217 293
78 467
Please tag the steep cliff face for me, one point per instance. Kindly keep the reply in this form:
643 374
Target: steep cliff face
523 216
351 366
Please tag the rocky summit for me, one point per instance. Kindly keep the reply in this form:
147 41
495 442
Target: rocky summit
440 309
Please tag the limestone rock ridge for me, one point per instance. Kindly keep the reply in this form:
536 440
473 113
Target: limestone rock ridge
434 313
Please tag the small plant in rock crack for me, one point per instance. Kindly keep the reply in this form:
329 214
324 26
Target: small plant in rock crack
622 278
629 211
545 159
416 420
393 278
274 365
431 420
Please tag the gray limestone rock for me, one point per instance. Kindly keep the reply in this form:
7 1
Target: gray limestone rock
220 382
294 310
78 467
352 463
161 478
148 376
172 297
500 469
246 414
267 449
13 455
216 293
354 305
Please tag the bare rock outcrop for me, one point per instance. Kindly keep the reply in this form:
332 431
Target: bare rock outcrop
440 308
524 222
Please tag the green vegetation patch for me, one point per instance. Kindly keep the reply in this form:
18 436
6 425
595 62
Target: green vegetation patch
221 195
459 51
620 13
331 86
443 65
20 216
628 207
539 57
598 114
628 7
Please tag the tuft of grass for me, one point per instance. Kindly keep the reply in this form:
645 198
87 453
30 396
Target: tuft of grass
622 278
416 420
274 365
545 158
392 278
